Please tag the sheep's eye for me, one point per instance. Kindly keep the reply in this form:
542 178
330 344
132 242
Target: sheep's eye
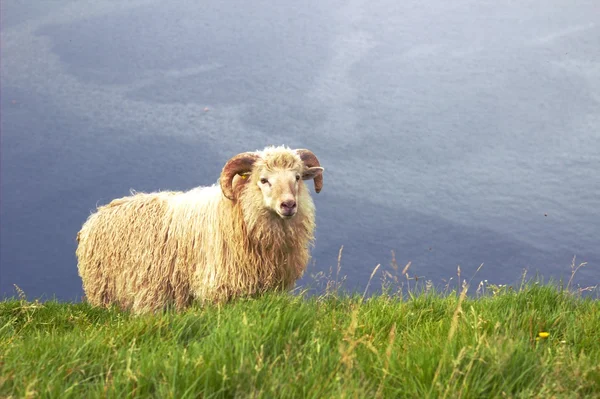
264 181
297 177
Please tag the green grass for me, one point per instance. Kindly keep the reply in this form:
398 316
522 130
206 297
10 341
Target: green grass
420 345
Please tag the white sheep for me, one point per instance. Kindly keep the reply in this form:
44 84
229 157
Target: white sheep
248 234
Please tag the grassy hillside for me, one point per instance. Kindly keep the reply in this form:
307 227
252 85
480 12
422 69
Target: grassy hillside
423 345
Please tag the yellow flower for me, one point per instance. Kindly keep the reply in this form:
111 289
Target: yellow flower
544 334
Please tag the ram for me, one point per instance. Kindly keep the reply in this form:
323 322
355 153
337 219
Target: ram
249 233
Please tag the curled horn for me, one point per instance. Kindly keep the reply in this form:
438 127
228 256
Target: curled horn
240 163
310 160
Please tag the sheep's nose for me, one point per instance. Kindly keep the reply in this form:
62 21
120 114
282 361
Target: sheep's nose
288 205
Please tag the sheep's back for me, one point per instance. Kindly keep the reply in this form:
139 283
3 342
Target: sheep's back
122 250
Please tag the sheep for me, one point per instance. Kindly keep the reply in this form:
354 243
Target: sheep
249 232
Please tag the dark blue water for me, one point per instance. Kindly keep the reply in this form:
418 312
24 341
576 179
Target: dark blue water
452 133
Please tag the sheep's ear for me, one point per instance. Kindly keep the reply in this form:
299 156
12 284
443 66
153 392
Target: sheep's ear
311 162
238 165
311 173
314 173
238 182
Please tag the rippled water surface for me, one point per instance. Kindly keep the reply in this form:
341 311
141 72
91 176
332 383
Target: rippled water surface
452 133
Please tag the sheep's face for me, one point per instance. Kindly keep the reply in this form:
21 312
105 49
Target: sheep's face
272 178
280 188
